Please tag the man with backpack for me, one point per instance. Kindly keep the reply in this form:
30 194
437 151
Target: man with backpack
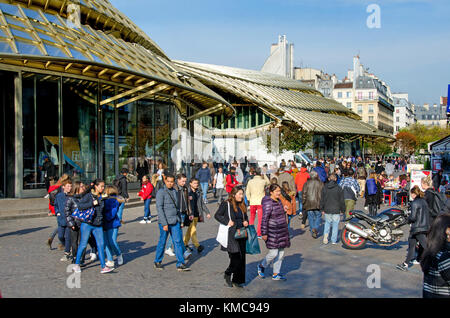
350 190
219 184
436 201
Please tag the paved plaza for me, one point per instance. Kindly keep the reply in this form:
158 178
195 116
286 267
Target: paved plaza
29 269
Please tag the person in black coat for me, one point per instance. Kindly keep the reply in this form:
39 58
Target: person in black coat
420 225
235 273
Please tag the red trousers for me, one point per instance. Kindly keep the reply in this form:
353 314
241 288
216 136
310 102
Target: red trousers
253 209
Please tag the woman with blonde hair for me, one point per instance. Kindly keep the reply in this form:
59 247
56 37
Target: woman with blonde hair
420 225
430 196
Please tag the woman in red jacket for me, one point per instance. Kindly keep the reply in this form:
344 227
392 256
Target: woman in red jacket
231 180
146 196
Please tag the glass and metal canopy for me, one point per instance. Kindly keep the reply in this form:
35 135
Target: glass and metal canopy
34 34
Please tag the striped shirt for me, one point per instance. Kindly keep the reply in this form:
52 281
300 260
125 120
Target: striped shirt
436 282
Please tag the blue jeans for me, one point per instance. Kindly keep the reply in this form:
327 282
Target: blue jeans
170 244
300 203
64 237
333 221
289 220
120 212
177 238
204 186
147 213
314 217
111 245
97 231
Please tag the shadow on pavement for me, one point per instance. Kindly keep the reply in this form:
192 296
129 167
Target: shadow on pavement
26 231
134 250
209 245
290 263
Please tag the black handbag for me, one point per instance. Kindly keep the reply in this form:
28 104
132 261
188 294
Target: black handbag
241 233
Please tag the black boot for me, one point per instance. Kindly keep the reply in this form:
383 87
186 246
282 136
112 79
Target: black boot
228 282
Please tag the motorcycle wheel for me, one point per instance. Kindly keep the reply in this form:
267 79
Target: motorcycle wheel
353 241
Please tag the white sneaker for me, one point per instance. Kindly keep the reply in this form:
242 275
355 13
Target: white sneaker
110 264
120 260
106 270
149 221
415 262
143 222
169 252
93 257
76 268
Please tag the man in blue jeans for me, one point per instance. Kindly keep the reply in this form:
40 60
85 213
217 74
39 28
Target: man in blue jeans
311 195
332 204
204 177
169 221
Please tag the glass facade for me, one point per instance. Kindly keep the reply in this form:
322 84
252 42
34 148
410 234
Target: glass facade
7 127
246 117
41 110
64 124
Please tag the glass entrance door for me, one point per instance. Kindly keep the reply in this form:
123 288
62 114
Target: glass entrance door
7 129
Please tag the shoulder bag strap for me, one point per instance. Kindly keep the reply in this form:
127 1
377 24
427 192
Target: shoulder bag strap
173 200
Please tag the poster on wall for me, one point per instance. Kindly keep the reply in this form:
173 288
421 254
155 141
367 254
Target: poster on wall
416 178
437 164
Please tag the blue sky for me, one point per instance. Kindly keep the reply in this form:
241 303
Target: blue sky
411 50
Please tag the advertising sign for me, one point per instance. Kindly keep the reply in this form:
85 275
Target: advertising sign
416 177
448 100
412 167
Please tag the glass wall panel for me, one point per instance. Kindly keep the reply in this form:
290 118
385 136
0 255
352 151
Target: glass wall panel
40 130
7 138
128 139
145 137
162 133
108 142
80 132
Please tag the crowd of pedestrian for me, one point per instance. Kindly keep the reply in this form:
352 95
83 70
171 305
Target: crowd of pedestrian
325 191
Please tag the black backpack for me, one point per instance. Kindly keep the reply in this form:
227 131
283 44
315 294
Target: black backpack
439 203
52 196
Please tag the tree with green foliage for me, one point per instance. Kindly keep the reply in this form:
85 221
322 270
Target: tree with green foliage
292 137
426 134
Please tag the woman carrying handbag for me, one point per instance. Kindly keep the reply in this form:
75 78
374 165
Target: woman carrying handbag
233 213
274 230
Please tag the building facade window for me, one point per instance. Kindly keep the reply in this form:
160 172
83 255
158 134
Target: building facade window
360 109
370 109
349 105
360 95
339 94
349 94
371 120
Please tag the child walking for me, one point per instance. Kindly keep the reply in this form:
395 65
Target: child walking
111 224
146 196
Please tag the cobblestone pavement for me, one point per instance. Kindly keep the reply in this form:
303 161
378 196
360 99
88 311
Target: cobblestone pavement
29 269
